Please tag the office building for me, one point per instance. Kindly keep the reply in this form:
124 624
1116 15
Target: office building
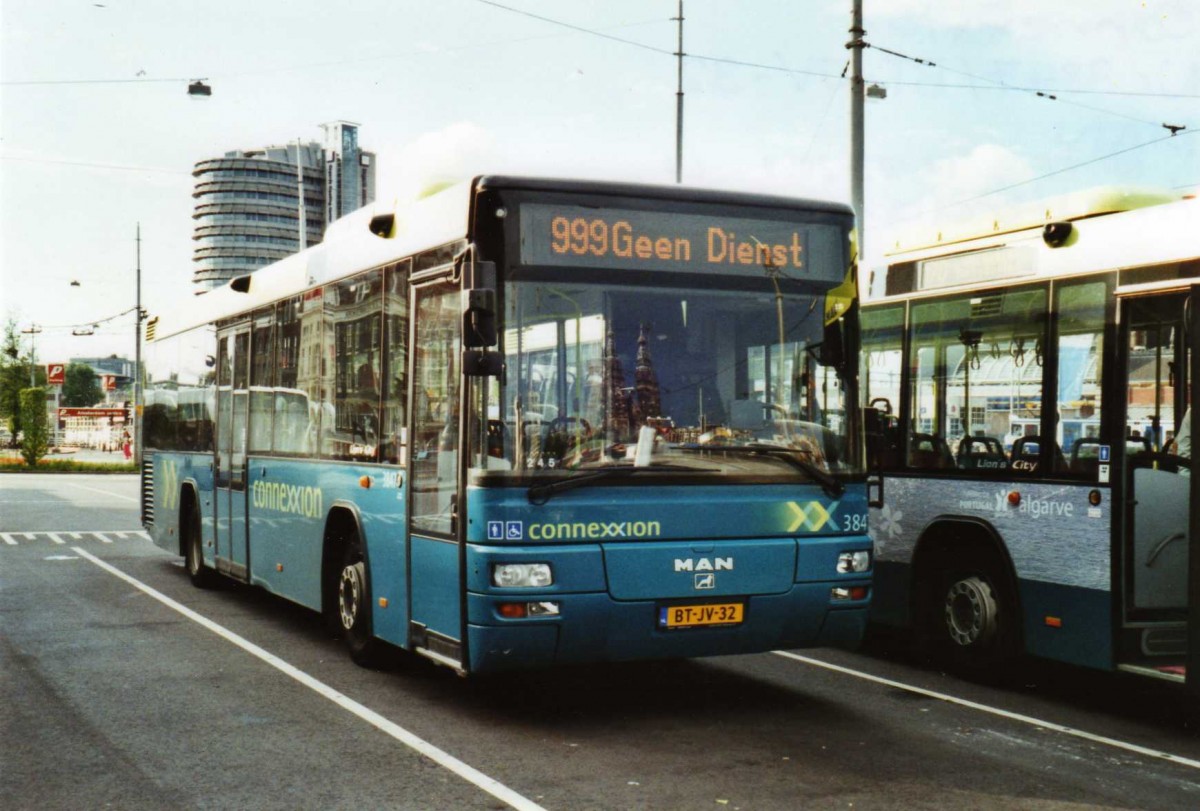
248 202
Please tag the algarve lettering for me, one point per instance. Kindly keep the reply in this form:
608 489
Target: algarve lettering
287 498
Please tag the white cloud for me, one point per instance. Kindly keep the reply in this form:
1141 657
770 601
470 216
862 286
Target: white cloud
451 154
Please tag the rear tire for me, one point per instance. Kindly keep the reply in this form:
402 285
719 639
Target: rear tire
202 576
352 607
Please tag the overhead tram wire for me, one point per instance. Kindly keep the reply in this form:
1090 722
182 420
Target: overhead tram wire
1059 171
1043 93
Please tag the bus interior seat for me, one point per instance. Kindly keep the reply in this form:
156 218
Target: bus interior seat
1085 454
928 451
981 453
883 440
1026 454
1137 444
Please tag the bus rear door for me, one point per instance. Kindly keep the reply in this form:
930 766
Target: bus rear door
233 403
1156 500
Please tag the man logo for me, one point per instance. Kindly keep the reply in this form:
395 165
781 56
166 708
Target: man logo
706 581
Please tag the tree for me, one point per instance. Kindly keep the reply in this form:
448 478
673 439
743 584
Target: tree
14 376
35 430
81 387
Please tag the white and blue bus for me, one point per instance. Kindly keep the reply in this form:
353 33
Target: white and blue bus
1029 375
524 422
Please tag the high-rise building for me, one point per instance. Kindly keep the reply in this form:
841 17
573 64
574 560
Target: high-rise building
248 202
349 172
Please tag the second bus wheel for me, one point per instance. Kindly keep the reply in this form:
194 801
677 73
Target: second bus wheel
354 607
971 617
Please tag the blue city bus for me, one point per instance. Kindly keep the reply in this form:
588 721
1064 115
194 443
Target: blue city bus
523 422
1031 376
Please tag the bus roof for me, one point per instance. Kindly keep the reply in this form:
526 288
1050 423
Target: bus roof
421 224
1094 202
1149 236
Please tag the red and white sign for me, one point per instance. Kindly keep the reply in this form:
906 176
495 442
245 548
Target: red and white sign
108 382
56 373
107 413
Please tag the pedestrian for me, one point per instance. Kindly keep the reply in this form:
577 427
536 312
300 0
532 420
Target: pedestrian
127 445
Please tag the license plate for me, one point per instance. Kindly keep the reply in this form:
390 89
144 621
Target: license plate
692 616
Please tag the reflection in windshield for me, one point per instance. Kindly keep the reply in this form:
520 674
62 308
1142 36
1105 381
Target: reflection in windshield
591 370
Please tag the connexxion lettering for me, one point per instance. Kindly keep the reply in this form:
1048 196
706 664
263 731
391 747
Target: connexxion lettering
580 530
288 498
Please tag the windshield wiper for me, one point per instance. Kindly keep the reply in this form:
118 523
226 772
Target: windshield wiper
832 486
540 493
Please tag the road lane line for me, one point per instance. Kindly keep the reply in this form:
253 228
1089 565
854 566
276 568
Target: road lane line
75 535
31 536
54 537
8 539
134 499
1012 716
103 538
419 745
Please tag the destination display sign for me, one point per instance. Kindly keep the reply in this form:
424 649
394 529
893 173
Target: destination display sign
628 239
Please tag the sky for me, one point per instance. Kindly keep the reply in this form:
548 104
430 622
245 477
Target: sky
98 136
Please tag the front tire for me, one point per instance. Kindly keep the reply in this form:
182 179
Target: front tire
353 607
202 576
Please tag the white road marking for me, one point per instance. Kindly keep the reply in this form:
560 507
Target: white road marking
421 746
10 538
1012 716
134 499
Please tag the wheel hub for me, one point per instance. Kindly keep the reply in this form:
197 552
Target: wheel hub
350 591
971 612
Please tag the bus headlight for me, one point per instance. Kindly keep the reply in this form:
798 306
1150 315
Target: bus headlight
521 575
852 562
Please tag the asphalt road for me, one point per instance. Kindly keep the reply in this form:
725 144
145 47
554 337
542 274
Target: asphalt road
125 687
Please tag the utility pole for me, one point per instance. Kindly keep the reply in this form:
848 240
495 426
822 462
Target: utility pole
679 101
857 97
137 357
32 332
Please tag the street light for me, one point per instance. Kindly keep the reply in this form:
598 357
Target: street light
199 89
33 330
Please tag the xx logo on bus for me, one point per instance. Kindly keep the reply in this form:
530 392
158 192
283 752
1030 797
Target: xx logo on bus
170 485
811 516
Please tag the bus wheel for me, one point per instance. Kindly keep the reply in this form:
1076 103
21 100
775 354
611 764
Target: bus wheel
354 607
971 612
202 576
972 619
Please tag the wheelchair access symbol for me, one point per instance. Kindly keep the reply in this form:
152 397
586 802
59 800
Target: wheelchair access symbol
505 530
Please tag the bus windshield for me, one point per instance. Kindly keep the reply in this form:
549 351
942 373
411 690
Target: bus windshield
723 378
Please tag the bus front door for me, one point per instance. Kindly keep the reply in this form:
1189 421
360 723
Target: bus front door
233 402
434 523
1157 484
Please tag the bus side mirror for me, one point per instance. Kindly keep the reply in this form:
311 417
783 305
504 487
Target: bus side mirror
482 363
478 318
